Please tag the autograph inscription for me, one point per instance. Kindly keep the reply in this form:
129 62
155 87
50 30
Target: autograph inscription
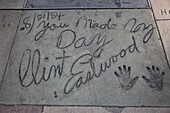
85 66
79 77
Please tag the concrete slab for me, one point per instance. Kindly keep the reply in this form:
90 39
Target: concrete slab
8 25
87 57
81 110
12 4
161 8
87 4
21 109
146 110
164 31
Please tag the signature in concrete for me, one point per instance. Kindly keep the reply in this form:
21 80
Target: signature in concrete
45 24
31 70
135 27
81 77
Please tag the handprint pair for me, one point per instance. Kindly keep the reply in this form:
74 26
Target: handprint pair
126 82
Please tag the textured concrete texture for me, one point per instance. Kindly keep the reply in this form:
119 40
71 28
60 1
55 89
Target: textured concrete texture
165 34
81 110
161 8
86 4
12 4
87 57
146 110
8 25
21 109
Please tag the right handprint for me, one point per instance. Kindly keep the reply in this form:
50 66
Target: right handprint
156 78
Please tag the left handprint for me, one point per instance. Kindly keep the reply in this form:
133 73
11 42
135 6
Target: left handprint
125 80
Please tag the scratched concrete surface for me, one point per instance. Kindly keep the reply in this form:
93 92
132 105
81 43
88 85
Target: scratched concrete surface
9 21
146 110
21 109
60 57
87 4
48 109
12 4
165 34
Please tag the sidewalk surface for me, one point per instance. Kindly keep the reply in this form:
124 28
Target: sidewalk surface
84 56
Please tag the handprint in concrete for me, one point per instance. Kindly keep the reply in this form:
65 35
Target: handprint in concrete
125 80
156 78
